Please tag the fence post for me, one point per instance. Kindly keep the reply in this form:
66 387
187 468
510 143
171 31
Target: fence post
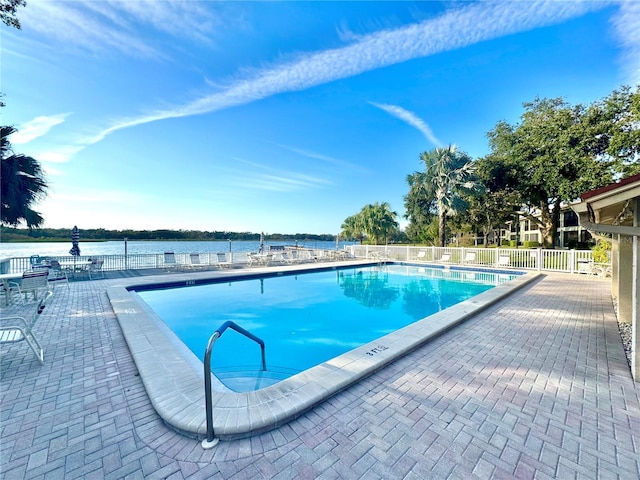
572 260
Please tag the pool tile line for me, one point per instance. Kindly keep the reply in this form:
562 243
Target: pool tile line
176 391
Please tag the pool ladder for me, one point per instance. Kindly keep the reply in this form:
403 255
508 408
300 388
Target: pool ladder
210 441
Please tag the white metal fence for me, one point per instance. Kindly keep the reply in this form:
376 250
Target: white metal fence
569 261
157 260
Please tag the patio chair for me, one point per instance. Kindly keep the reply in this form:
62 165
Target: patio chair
422 256
222 261
32 283
194 258
57 274
470 257
170 260
446 257
286 258
18 328
95 269
504 260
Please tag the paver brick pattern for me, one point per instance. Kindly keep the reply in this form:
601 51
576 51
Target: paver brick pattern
536 386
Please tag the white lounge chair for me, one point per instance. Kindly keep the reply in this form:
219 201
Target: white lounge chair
422 256
470 257
586 266
222 261
195 263
504 260
286 258
170 260
446 257
18 328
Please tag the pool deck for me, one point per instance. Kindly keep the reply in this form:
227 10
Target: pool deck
534 386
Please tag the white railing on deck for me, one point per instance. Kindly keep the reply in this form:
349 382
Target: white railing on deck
568 261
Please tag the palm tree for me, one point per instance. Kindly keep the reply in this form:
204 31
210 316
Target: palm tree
375 220
352 228
23 184
448 175
378 222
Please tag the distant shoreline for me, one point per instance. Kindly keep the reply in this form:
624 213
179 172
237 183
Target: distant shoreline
23 235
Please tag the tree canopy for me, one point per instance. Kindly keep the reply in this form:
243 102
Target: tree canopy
23 185
559 151
448 177
8 9
375 221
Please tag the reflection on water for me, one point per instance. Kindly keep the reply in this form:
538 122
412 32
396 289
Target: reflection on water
370 289
308 318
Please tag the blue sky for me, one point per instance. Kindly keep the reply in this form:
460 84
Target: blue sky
282 117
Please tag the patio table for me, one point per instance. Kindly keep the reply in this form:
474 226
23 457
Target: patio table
5 278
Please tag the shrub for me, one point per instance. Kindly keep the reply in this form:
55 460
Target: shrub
513 243
601 251
531 244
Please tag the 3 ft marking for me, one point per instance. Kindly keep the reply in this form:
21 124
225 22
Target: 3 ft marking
377 349
190 282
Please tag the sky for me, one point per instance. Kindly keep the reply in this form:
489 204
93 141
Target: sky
282 117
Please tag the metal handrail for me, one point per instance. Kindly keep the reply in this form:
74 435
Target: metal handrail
209 442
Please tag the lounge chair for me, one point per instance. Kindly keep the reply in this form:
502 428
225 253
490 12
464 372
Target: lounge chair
470 257
446 257
286 258
586 266
18 328
222 261
170 260
195 263
32 283
422 256
504 260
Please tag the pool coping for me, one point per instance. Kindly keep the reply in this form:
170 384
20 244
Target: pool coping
176 390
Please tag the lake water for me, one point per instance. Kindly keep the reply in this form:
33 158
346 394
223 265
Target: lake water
148 247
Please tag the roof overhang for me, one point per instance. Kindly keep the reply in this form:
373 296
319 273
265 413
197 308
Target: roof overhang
606 209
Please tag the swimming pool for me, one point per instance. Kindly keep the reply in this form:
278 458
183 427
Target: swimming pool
173 376
306 319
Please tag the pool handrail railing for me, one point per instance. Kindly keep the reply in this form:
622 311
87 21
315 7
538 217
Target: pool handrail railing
210 441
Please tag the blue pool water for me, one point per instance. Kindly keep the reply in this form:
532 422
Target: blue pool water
307 318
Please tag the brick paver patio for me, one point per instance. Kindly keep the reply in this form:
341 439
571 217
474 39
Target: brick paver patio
537 386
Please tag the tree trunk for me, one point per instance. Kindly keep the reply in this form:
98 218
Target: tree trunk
441 228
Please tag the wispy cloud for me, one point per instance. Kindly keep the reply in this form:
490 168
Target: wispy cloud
37 127
455 29
262 177
410 118
113 26
323 158
627 27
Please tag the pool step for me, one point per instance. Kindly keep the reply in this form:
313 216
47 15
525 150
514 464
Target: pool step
251 378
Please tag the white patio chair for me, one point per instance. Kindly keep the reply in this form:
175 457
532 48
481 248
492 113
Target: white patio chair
17 328
470 257
95 269
222 261
32 284
170 260
504 260
422 256
57 274
194 258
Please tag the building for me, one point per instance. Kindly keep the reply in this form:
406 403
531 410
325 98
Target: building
615 209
